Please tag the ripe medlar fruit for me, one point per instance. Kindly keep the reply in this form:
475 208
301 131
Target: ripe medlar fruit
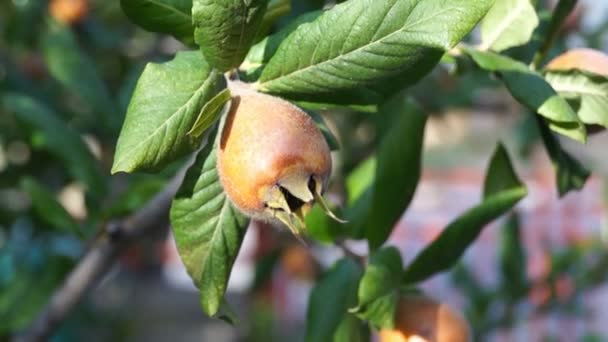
419 318
273 161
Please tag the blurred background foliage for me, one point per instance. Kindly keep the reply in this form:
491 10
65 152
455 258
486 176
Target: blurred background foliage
65 82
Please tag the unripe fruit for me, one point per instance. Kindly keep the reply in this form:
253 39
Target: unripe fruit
69 11
585 59
273 161
419 318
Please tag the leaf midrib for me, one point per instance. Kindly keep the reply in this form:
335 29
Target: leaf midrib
337 57
167 121
217 230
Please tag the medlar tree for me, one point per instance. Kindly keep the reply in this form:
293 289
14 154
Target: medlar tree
242 100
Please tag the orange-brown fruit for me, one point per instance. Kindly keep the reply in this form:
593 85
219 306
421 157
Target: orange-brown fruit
69 11
585 59
298 263
273 160
419 318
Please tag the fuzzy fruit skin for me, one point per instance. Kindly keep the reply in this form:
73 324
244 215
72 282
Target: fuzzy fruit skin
419 318
264 139
583 59
69 11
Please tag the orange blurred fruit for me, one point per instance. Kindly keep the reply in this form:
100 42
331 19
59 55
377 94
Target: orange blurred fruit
298 263
584 59
69 11
419 318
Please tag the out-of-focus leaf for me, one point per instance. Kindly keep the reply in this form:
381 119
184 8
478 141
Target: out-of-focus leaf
331 139
338 51
570 174
52 134
512 259
165 105
138 192
509 23
378 286
351 329
225 29
531 90
48 209
330 300
502 191
208 230
77 72
164 16
591 91
397 170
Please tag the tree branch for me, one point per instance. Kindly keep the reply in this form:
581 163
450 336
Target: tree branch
115 237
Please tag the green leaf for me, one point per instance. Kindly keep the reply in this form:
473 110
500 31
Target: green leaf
163 16
260 53
77 72
379 286
209 114
397 170
360 179
225 29
330 300
208 230
351 329
509 23
571 175
502 191
329 136
513 259
591 91
48 209
165 105
55 136
531 90
339 51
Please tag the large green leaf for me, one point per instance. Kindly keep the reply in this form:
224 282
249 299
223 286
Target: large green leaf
77 72
397 171
225 29
49 132
165 105
531 90
164 16
361 41
590 91
570 174
509 23
48 209
379 286
208 229
502 191
330 300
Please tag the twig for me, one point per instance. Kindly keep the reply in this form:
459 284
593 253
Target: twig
561 12
104 251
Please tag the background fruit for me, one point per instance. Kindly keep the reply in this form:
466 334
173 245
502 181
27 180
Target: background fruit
69 11
582 59
419 318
